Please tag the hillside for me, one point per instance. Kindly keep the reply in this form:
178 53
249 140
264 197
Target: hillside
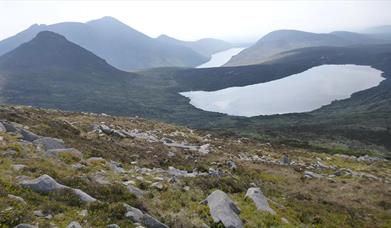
102 170
285 40
205 47
120 45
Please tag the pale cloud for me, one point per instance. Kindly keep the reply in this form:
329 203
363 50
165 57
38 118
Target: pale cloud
189 20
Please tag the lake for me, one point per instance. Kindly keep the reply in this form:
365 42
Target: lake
220 58
302 92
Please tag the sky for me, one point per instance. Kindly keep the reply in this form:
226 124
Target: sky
239 21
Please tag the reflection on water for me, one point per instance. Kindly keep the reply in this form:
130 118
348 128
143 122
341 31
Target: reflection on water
220 58
301 92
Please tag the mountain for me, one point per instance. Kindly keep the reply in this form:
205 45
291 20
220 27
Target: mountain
205 47
50 71
51 50
384 29
120 45
285 40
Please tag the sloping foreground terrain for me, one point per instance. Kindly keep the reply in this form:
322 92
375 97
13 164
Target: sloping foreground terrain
62 168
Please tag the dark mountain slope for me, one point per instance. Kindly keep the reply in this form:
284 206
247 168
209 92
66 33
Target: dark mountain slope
285 40
205 47
119 44
50 71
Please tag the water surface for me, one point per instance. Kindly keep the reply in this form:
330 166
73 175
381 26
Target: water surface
300 92
220 58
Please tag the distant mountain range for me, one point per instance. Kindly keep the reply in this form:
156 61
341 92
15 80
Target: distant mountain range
286 40
205 47
122 46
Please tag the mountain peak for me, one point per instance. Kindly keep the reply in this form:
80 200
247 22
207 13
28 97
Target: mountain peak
51 50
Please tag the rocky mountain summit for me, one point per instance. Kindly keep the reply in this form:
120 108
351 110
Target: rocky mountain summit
67 169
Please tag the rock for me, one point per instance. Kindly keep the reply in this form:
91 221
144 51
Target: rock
112 226
105 129
9 127
231 165
28 135
17 198
2 127
171 154
43 184
157 185
24 225
83 196
116 167
151 222
285 160
204 149
18 167
369 159
136 191
259 200
74 224
46 184
310 175
58 152
224 210
47 143
186 188
100 178
134 214
83 213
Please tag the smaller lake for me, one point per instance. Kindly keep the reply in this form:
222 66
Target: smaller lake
302 92
220 58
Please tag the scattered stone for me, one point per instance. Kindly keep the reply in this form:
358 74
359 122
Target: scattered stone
223 209
83 213
285 160
186 188
18 167
204 149
46 184
9 127
74 224
17 198
310 175
151 222
259 200
284 220
116 167
157 185
231 165
369 159
47 143
96 160
2 127
136 191
57 152
24 225
112 226
134 214
28 135
171 154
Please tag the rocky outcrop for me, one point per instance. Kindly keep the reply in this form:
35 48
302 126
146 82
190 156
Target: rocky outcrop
57 152
260 201
46 184
224 210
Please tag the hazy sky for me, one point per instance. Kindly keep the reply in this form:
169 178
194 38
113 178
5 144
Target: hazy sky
189 20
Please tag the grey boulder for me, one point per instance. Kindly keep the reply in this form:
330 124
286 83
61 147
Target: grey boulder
28 135
151 222
58 152
47 143
24 225
223 209
46 184
260 201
